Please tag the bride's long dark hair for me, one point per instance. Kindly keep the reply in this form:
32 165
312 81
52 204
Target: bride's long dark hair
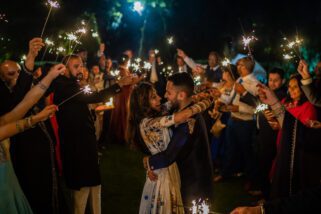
138 109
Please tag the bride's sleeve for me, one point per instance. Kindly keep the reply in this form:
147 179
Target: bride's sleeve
160 122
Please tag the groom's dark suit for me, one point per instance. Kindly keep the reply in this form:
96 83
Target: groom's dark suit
189 147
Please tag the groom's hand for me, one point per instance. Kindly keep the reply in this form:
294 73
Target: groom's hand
152 176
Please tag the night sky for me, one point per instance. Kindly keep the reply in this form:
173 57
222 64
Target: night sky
199 26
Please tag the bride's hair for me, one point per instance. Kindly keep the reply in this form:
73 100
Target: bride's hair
138 109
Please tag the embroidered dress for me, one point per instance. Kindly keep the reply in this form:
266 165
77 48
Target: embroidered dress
161 196
12 199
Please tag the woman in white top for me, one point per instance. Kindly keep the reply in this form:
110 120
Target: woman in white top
148 128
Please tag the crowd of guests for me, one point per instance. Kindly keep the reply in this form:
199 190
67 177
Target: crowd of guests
193 136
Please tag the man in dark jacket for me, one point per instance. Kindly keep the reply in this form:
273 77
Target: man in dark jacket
189 146
77 134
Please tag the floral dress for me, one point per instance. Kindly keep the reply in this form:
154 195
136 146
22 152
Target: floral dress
161 196
12 199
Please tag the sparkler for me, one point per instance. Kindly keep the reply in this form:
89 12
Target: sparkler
3 18
260 108
147 66
170 40
115 73
138 7
292 45
247 40
167 71
73 37
200 207
58 51
110 103
48 43
156 51
197 80
85 90
52 4
226 62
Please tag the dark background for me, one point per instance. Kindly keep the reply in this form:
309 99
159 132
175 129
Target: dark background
199 26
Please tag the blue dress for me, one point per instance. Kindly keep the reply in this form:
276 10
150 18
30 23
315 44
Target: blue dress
12 199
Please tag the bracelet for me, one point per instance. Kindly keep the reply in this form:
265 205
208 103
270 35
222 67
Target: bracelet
29 122
42 86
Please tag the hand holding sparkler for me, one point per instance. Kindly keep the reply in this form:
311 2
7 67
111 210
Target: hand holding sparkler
127 80
57 70
266 95
303 69
315 124
35 45
181 53
46 113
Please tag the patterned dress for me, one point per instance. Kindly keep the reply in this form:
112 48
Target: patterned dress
161 196
12 199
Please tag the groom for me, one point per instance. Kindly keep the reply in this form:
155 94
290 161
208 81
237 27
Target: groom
189 146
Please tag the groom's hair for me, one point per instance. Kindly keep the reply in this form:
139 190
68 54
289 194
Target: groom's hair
184 82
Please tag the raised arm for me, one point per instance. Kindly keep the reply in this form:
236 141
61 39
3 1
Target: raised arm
15 127
35 46
33 96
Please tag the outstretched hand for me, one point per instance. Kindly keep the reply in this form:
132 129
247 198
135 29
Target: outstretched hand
47 112
35 45
303 69
266 95
57 70
181 53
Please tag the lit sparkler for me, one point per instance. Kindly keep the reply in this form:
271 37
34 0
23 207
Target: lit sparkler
167 71
197 80
260 108
226 62
200 207
110 103
3 18
48 43
147 66
52 4
170 40
138 7
247 40
85 90
292 45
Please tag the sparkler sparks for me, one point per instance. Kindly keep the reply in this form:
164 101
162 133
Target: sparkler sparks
200 207
197 80
138 7
170 40
81 30
291 48
247 41
147 65
49 42
260 108
3 18
86 90
226 62
53 4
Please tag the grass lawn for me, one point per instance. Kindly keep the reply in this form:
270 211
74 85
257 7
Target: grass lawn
123 178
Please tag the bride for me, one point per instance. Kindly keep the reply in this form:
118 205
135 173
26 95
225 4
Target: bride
148 129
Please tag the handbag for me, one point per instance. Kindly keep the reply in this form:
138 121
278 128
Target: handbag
218 127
